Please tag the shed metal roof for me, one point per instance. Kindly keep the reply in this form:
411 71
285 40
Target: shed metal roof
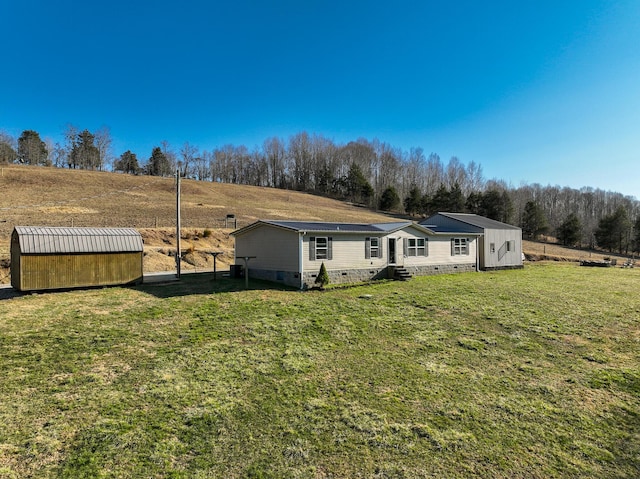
52 240
465 219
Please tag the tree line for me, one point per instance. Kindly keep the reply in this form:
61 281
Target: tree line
369 173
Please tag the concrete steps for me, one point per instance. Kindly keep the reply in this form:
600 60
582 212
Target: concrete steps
401 274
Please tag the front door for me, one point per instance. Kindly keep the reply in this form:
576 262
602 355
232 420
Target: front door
392 251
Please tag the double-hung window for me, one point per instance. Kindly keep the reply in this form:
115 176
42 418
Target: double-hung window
373 247
322 247
416 247
459 246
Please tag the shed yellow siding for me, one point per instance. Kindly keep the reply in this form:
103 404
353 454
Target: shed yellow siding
45 272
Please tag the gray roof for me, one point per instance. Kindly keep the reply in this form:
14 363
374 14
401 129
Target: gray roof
466 219
51 240
326 227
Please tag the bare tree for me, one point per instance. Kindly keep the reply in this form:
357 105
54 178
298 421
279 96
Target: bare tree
475 180
414 171
55 153
169 154
456 174
300 156
70 139
188 154
8 146
102 139
434 174
275 155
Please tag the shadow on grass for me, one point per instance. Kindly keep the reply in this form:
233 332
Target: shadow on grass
187 285
9 293
204 283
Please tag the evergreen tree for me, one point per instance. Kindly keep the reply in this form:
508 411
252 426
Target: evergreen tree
389 200
534 221
474 200
31 149
128 163
84 153
158 163
439 202
613 231
323 277
636 229
496 205
456 199
413 202
358 188
570 231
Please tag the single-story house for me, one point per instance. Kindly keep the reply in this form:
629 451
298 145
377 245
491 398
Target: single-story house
291 252
499 244
47 258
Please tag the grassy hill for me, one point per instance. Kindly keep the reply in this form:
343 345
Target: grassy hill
33 196
532 373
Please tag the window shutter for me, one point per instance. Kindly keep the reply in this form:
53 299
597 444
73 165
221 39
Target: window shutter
380 243
312 248
367 248
405 247
468 245
330 248
426 247
453 247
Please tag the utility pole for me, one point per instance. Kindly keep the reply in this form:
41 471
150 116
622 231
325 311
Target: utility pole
178 250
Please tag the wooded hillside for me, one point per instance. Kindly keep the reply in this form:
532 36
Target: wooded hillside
370 173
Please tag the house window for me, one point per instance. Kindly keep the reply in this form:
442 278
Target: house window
511 245
372 248
459 246
322 248
375 247
492 247
416 247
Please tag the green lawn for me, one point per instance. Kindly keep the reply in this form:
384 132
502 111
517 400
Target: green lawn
532 373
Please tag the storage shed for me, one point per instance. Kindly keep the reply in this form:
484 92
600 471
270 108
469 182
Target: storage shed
46 258
500 244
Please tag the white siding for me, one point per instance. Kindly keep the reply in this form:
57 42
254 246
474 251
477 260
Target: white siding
501 258
274 248
349 251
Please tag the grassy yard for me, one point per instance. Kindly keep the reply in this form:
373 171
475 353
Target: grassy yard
532 373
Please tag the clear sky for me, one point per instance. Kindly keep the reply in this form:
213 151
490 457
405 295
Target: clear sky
534 91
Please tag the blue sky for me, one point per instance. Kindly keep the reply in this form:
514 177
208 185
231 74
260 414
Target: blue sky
538 92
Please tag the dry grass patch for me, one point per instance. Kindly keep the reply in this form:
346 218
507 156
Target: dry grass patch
34 196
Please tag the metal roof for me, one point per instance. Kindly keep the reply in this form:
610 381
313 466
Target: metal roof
326 227
467 219
52 240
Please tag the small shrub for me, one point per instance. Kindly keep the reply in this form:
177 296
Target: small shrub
323 277
207 233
